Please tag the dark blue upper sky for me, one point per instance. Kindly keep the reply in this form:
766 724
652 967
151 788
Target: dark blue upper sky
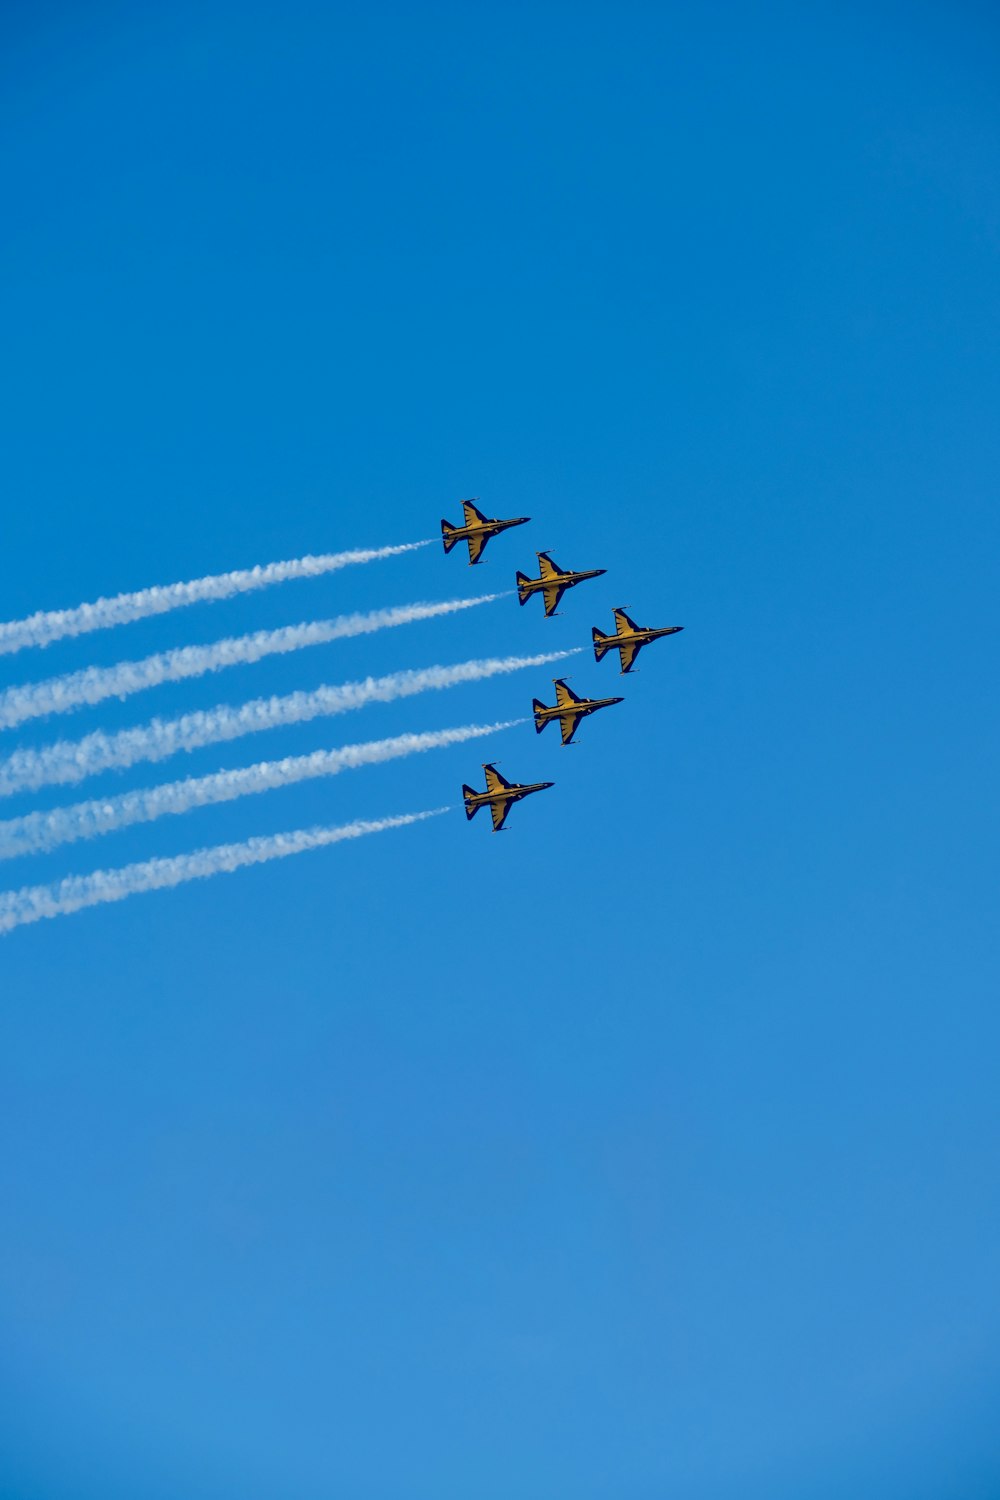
649 1149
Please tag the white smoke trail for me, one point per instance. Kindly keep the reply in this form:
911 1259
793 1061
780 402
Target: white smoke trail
46 626
68 761
41 831
33 902
59 695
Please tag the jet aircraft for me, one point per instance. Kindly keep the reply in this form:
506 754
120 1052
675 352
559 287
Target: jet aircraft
499 796
629 639
569 709
477 530
551 583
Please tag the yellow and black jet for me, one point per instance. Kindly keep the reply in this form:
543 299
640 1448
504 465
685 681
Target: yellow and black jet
477 530
499 796
629 639
569 710
551 583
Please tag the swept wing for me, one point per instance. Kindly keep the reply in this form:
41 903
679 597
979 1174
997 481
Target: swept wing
473 517
476 544
499 811
568 725
550 573
568 720
628 651
494 781
565 696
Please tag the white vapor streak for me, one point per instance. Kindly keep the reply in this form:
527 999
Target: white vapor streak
68 761
33 902
46 626
38 832
59 695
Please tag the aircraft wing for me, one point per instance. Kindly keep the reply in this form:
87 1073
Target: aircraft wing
476 545
499 811
552 593
622 622
494 781
473 517
628 654
565 696
568 724
546 567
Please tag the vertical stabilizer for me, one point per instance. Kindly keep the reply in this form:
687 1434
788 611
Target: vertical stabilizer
448 535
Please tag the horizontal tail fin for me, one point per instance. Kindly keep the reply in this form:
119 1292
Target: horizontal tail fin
522 592
602 643
448 535
470 810
538 706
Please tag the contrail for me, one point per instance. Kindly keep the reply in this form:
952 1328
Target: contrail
59 695
46 626
39 832
33 902
68 761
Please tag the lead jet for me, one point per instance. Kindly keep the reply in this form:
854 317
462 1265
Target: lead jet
477 530
551 583
568 709
629 639
499 796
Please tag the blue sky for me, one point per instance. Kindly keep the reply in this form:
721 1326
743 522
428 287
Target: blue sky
650 1148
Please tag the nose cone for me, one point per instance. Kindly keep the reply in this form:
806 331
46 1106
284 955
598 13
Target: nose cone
616 700
543 786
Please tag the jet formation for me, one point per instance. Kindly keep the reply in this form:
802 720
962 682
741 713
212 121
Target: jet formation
569 709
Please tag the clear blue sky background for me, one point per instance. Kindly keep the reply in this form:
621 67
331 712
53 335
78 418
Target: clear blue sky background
651 1148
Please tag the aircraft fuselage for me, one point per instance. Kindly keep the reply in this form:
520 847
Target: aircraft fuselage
486 528
643 637
562 580
506 794
579 709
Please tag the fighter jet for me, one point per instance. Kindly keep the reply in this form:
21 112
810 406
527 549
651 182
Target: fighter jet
569 710
477 530
551 583
499 796
629 639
